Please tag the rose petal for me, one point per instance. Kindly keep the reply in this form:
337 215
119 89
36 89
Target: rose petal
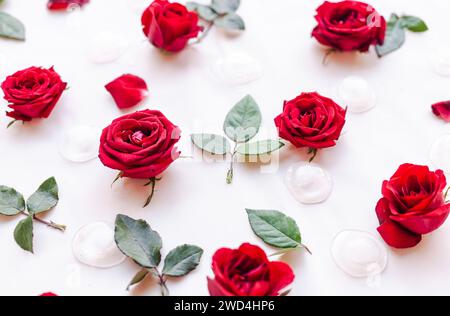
397 237
442 110
127 90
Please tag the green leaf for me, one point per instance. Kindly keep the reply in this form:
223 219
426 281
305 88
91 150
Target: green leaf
414 24
395 37
231 21
275 228
243 121
226 6
182 260
11 201
23 234
138 241
206 13
10 27
192 6
138 278
259 148
45 198
214 144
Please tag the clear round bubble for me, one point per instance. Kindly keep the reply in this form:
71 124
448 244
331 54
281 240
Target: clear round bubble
236 69
359 254
106 47
94 246
309 183
356 94
80 143
441 61
440 153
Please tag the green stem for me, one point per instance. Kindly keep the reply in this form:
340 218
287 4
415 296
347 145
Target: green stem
162 282
204 33
312 151
230 173
328 53
152 183
49 224
11 123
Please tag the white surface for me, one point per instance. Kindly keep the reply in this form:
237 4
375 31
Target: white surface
193 204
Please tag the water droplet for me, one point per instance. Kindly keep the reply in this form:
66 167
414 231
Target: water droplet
236 69
356 94
440 153
94 246
80 144
441 61
309 183
359 253
106 47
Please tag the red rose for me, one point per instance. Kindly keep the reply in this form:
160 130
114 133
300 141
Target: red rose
58 5
311 120
32 93
349 25
169 26
127 90
442 110
248 272
141 145
413 205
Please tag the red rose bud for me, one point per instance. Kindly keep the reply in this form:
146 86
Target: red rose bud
349 26
413 205
32 93
62 5
127 90
170 26
248 272
141 145
48 294
311 120
442 110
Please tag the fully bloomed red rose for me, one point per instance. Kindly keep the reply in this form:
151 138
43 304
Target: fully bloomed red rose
413 205
248 272
127 90
442 110
170 26
311 120
140 145
61 5
32 93
349 26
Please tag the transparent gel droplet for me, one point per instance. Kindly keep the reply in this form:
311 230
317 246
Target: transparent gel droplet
308 183
236 69
440 153
359 254
441 61
94 246
106 47
356 94
80 144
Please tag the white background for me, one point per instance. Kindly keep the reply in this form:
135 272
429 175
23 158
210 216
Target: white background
193 204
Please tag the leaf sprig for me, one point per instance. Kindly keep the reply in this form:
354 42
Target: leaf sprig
396 35
241 125
12 203
277 230
11 27
221 13
137 240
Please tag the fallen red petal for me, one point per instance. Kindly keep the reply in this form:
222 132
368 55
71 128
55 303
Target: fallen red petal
442 110
127 90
